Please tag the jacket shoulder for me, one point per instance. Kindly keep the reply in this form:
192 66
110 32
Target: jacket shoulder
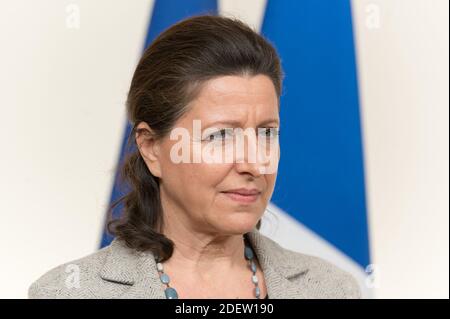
318 277
330 281
325 280
73 279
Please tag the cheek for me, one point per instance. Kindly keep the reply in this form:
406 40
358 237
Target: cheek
206 176
270 182
196 182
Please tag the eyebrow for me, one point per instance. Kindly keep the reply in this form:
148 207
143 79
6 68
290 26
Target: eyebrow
238 124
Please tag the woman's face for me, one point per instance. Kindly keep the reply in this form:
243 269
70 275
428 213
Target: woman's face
199 193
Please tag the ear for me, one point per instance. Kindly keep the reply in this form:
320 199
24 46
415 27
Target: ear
149 148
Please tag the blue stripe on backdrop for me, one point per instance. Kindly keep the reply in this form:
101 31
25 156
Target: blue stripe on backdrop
321 175
165 13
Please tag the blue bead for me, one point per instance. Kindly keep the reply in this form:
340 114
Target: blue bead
171 293
253 266
164 278
248 252
257 292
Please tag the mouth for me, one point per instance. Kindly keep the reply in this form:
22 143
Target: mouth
244 196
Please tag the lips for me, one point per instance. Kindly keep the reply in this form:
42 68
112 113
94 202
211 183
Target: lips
244 191
243 195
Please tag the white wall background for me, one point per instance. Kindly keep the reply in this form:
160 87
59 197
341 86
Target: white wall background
403 75
62 121
62 118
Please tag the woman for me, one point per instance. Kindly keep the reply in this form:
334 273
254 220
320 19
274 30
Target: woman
190 227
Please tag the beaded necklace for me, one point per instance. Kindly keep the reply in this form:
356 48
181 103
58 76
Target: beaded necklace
249 255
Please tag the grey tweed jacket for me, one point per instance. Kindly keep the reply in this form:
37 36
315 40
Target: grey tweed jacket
117 271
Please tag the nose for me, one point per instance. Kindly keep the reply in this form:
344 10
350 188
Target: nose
248 158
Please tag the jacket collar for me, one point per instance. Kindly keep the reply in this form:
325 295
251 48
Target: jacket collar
138 269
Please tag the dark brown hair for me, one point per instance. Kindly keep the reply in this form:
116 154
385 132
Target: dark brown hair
168 76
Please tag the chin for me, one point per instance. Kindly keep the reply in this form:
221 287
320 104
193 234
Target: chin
241 226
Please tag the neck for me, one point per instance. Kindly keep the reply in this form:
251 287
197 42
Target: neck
204 252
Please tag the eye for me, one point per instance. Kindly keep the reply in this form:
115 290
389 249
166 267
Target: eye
220 135
270 132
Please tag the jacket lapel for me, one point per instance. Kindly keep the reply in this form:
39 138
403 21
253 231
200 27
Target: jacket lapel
136 269
278 267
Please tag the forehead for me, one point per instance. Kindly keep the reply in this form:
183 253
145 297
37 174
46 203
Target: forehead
236 97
